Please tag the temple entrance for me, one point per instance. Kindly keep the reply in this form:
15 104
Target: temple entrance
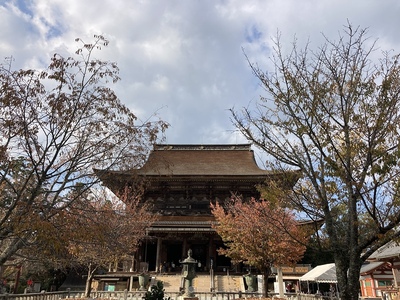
223 263
200 254
150 255
174 255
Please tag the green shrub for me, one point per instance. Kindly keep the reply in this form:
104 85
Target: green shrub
156 292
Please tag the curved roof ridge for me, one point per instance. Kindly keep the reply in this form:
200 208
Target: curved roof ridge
199 147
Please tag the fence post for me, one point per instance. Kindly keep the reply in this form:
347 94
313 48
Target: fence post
125 294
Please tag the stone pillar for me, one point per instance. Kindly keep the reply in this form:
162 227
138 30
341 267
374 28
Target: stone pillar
280 283
158 258
131 283
116 265
132 267
189 273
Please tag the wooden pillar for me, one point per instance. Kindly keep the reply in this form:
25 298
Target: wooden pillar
158 258
395 273
210 252
370 291
184 248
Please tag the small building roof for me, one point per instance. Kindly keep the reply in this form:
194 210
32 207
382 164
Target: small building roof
322 273
388 251
370 267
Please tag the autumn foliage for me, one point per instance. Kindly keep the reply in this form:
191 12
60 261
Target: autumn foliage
333 112
259 232
108 232
95 232
57 125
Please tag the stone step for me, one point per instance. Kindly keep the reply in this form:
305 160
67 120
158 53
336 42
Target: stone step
171 282
201 283
228 283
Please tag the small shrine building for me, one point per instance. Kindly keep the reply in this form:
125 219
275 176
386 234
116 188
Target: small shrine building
380 275
180 181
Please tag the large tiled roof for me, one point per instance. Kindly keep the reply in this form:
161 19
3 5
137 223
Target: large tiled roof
202 160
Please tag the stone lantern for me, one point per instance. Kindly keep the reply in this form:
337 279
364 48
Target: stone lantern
188 273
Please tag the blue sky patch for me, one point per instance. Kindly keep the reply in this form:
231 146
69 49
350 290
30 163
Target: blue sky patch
253 34
24 6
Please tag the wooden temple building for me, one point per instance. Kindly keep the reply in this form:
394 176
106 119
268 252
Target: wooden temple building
181 181
380 275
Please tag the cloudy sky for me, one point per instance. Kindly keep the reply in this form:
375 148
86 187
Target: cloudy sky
184 58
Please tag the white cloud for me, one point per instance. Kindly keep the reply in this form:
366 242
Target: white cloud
184 58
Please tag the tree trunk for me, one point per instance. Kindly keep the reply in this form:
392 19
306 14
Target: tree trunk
88 287
348 276
266 273
10 248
